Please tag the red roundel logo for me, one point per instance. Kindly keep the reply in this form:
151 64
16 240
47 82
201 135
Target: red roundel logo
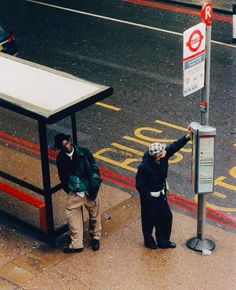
195 40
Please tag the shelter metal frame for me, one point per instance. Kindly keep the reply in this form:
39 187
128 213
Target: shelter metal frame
43 120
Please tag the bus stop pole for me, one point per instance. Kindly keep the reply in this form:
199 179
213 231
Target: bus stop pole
234 23
208 69
200 243
201 216
205 121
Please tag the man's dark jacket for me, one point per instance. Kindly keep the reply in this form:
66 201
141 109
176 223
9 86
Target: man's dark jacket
152 174
82 165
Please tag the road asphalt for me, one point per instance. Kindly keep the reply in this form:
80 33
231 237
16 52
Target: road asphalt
225 5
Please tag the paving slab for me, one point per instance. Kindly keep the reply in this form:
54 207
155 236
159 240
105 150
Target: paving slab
14 244
22 257
5 285
15 274
124 263
31 263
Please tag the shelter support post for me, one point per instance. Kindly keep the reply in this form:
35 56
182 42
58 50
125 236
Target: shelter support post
42 129
74 129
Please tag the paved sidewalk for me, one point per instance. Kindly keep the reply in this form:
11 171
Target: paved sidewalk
122 262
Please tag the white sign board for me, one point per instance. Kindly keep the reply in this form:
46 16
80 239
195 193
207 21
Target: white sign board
194 42
194 74
206 164
203 152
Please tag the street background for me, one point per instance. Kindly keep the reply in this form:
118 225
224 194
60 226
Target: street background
141 59
144 66
226 5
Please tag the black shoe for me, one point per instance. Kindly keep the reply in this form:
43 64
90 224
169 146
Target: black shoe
67 249
170 245
152 246
95 244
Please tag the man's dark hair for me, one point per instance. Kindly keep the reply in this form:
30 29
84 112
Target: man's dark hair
59 138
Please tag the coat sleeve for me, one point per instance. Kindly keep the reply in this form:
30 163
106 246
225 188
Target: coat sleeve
172 148
62 175
92 162
142 182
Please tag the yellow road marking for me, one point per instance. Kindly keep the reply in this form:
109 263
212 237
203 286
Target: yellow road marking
219 181
128 149
123 164
138 133
136 140
145 136
147 143
186 149
216 207
232 171
108 106
219 194
177 155
171 125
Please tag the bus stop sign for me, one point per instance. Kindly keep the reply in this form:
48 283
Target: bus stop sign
206 13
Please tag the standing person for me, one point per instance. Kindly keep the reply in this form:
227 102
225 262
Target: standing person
152 187
80 179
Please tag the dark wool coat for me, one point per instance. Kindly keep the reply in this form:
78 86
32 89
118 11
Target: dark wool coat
151 174
82 165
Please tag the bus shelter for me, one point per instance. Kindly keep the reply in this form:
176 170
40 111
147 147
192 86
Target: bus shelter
47 96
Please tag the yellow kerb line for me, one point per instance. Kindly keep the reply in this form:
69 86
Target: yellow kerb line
108 106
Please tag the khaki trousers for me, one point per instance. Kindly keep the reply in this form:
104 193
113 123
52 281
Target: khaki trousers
74 216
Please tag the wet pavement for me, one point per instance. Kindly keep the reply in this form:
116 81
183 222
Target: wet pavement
122 262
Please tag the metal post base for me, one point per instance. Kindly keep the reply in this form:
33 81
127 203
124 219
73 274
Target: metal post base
198 245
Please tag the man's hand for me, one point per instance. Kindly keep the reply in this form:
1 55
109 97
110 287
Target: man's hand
189 134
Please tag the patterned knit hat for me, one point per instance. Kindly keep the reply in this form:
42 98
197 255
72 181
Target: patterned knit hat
156 148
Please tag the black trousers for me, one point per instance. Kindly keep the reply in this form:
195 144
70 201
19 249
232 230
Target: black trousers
156 213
